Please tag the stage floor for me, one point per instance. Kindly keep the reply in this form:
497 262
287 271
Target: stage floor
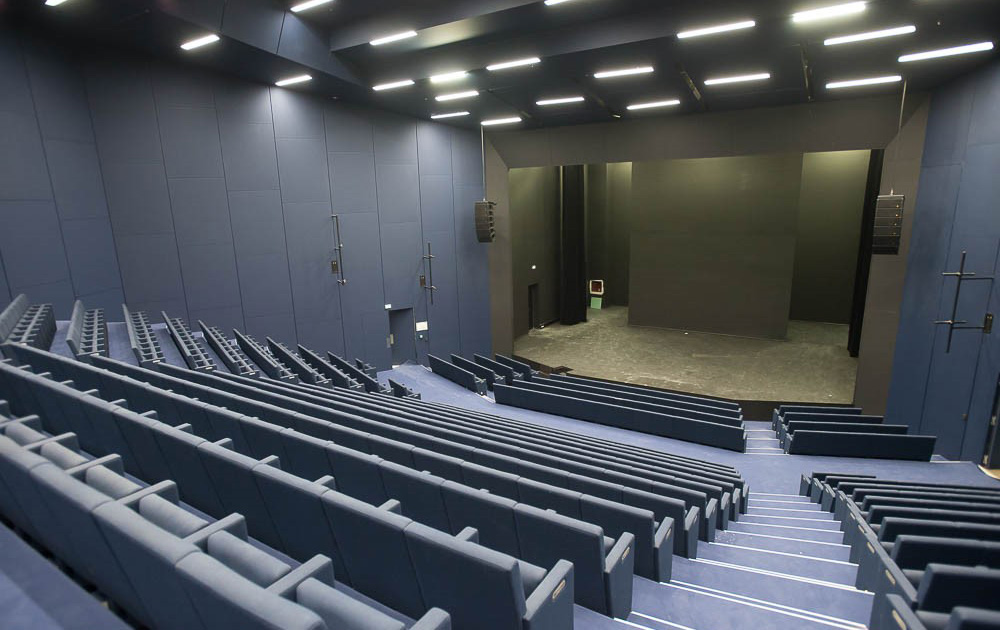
812 365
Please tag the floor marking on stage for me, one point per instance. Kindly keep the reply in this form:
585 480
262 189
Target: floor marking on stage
805 529
762 607
818 510
657 620
784 576
791 518
805 540
856 624
784 553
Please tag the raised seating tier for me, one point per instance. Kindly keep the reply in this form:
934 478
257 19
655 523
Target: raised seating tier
87 334
370 384
845 432
28 324
235 360
336 376
457 375
305 372
190 347
142 337
267 362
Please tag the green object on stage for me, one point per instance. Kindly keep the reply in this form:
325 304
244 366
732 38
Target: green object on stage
595 302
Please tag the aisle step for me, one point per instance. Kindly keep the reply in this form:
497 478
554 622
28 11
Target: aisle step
823 534
736 601
779 518
786 544
775 502
811 567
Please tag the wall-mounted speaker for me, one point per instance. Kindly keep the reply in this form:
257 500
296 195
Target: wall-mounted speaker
485 221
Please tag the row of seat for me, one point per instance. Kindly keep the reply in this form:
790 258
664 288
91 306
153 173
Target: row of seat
845 432
305 372
11 315
402 391
191 349
654 537
262 357
235 360
29 324
926 550
87 334
668 495
163 565
364 375
458 374
403 564
603 566
142 337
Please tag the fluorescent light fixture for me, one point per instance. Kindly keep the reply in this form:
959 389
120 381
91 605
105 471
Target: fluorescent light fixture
449 115
551 2
761 76
948 52
623 72
530 61
308 4
501 121
388 39
302 78
860 37
654 104
711 30
53 3
859 82
448 77
456 96
836 10
560 101
201 41
393 85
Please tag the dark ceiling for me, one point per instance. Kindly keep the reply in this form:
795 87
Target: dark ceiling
263 40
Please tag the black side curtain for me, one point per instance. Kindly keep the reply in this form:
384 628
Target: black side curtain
573 248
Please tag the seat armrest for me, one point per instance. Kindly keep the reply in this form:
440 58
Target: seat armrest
112 462
551 604
687 544
433 619
619 565
392 505
32 422
468 534
327 481
623 551
234 524
166 489
663 549
68 440
318 567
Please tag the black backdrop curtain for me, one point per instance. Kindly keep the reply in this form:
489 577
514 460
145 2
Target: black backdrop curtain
573 248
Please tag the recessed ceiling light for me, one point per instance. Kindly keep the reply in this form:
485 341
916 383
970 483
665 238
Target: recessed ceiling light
654 104
456 96
302 78
623 72
530 61
860 37
53 3
308 4
393 85
560 101
711 30
859 82
823 13
760 76
449 115
501 121
448 77
388 39
948 52
201 41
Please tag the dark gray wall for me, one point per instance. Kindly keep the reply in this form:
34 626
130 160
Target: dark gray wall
534 221
828 235
609 190
125 179
713 244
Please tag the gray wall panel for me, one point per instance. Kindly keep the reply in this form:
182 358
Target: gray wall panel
256 22
32 245
5 296
214 196
352 181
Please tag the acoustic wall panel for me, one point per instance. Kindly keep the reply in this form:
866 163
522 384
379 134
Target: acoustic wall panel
22 160
4 288
471 256
256 22
208 195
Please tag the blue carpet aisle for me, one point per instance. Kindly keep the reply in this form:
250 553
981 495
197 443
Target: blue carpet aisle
780 566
